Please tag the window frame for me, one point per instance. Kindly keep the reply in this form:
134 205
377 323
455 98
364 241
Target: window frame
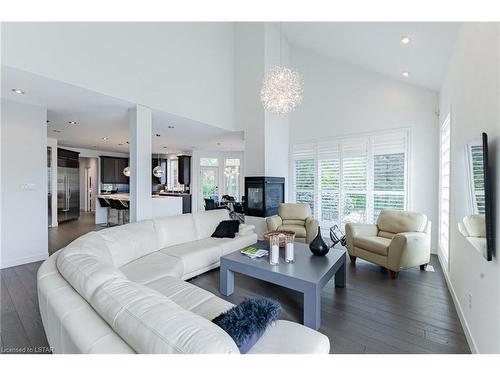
312 147
444 254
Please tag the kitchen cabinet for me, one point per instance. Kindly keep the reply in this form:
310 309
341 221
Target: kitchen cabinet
112 170
184 171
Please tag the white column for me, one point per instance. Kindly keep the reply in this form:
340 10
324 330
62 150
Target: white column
140 127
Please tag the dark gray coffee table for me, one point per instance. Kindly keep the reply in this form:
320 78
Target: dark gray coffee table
309 274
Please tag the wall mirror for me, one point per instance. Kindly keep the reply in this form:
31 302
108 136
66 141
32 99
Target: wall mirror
477 225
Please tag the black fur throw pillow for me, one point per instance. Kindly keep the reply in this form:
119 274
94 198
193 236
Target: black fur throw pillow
247 322
226 229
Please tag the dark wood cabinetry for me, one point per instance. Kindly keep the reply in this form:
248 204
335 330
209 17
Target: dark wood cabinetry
184 173
112 170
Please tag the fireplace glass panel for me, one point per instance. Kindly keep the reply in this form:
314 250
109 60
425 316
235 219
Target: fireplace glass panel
255 198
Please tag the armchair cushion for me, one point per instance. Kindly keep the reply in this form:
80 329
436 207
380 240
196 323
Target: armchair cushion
297 211
300 230
401 221
377 245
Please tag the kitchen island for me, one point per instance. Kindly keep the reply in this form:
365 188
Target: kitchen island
162 205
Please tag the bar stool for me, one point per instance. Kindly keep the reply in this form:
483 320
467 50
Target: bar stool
104 203
121 207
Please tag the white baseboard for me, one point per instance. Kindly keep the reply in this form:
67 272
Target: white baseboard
461 316
17 262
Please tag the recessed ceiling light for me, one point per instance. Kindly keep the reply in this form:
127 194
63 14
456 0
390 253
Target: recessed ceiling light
405 39
56 131
171 126
104 138
72 122
406 74
18 91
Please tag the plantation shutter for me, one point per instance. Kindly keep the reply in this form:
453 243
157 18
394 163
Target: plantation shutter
354 181
476 154
328 197
388 173
304 174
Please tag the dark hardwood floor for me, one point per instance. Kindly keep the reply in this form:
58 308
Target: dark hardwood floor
373 314
66 232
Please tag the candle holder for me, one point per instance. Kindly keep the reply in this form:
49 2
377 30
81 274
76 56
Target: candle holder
274 250
289 249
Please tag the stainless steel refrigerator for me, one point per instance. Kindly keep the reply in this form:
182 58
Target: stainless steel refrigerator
68 185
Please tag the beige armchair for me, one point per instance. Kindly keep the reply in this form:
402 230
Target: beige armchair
296 217
399 240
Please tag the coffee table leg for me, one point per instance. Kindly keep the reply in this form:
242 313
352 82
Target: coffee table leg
312 307
340 276
226 281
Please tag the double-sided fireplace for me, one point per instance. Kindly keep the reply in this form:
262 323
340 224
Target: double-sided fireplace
264 195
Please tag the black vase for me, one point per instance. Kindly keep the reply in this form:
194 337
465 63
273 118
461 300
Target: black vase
318 246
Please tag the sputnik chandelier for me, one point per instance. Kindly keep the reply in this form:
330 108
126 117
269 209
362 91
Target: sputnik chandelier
282 89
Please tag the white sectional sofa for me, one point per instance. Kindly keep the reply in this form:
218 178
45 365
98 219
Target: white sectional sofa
121 290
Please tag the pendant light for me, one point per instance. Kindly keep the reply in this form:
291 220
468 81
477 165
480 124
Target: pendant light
158 171
282 89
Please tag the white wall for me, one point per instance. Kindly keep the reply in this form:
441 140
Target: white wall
471 92
342 100
24 162
181 68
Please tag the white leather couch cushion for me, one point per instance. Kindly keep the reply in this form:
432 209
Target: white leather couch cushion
85 268
151 323
229 245
401 221
174 230
195 255
152 267
206 222
191 297
378 245
291 338
130 241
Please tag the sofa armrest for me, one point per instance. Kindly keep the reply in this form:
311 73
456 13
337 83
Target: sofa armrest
311 225
273 222
358 229
409 249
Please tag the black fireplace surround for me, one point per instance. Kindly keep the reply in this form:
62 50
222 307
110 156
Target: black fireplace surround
264 195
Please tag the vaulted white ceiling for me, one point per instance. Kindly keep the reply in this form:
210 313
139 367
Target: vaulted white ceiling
377 46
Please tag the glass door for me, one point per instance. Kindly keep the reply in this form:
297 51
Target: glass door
209 178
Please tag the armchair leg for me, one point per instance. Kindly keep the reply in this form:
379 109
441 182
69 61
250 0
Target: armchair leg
394 275
353 259
423 266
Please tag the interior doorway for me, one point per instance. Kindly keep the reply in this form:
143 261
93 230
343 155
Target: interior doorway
88 183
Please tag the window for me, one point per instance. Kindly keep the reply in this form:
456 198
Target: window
444 188
209 162
352 179
304 176
172 182
232 177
